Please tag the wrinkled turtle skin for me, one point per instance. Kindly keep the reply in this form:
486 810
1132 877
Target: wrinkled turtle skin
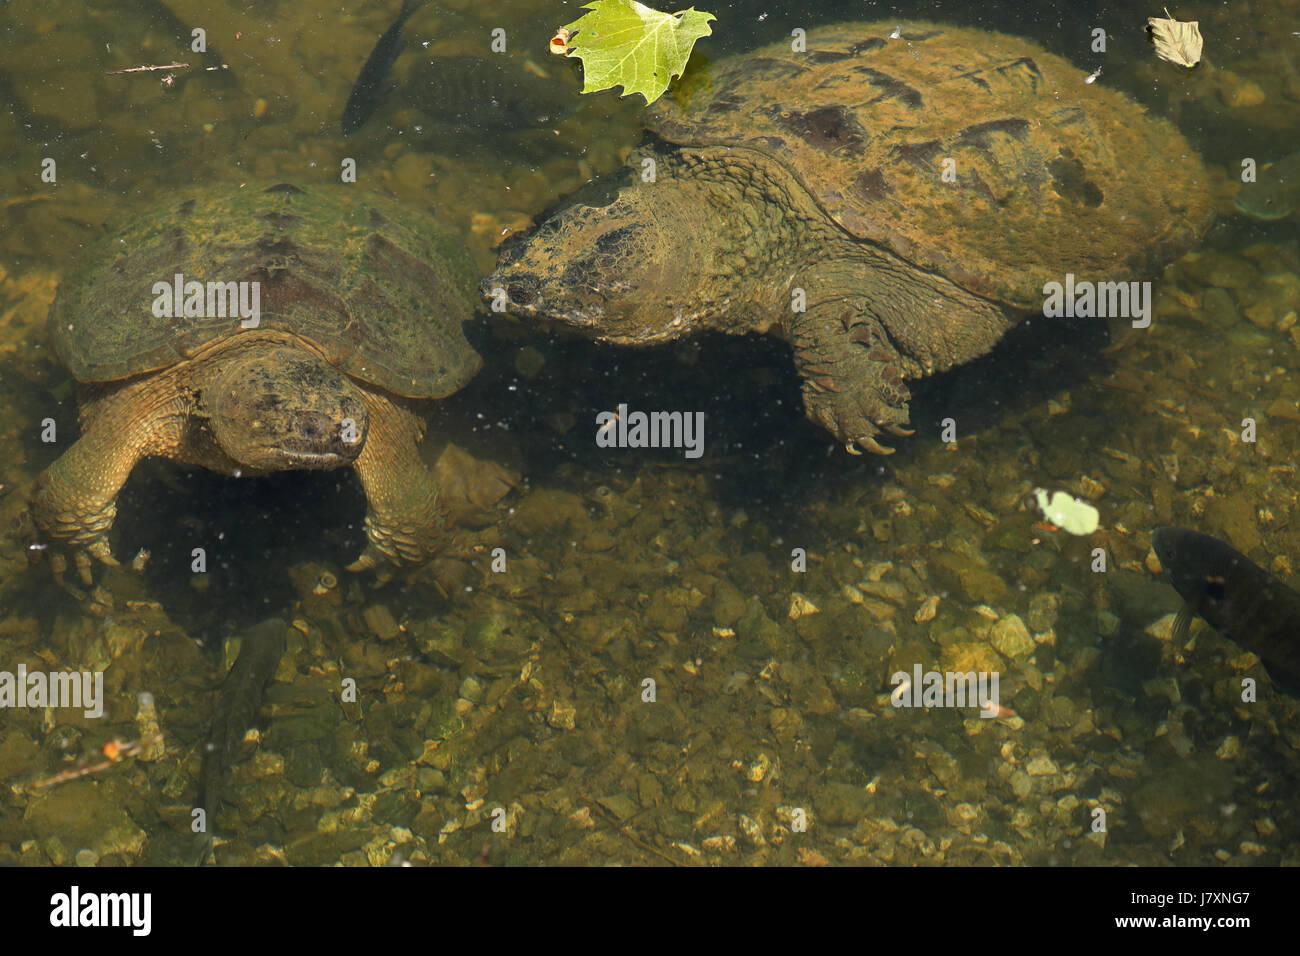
361 311
823 171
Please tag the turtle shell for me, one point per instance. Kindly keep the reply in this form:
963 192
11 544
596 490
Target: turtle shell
1049 175
381 290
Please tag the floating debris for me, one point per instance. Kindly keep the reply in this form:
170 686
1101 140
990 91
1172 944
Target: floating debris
1067 513
149 69
113 752
1176 41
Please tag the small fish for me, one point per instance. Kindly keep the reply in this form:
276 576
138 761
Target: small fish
237 707
1276 194
1236 597
369 88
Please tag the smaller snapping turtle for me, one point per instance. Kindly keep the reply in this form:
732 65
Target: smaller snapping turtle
890 200
361 312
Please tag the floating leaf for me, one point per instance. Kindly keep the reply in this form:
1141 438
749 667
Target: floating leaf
1176 41
1067 513
625 43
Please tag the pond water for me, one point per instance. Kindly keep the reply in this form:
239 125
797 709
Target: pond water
648 655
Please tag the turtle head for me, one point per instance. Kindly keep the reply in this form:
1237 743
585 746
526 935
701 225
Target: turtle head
634 271
281 409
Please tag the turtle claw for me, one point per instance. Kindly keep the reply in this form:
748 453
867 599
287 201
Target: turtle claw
390 546
72 554
99 550
82 560
372 559
898 431
873 446
363 563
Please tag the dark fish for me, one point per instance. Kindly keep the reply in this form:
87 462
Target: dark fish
369 88
237 707
1236 597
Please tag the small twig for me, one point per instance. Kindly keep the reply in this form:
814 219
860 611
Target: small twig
149 69
627 832
114 752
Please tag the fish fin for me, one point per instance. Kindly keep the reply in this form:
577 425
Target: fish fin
1183 623
203 847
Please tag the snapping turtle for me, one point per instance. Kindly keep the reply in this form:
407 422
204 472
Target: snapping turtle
361 305
888 201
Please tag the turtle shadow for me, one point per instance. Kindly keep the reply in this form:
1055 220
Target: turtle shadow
220 547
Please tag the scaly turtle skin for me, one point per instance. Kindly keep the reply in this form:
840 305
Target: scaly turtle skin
816 180
361 308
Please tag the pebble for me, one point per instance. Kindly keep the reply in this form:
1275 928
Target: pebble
1041 766
890 591
1011 637
379 619
471 689
563 716
598 541
800 606
751 830
1163 629
1107 623
1238 92
1229 748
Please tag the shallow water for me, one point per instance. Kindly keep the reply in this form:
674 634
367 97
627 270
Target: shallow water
505 715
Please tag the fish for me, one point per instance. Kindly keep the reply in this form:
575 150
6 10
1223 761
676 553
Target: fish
1276 194
237 707
369 87
1236 597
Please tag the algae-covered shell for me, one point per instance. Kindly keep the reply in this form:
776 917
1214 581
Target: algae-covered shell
380 289
1046 174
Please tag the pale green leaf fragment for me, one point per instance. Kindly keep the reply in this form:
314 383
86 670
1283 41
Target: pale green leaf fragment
625 43
1067 513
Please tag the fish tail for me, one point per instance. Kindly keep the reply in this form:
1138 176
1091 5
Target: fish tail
408 9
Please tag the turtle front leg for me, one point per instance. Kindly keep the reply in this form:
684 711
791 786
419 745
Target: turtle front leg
405 521
852 377
873 321
75 502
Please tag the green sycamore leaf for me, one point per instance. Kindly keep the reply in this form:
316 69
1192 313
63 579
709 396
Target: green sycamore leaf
625 43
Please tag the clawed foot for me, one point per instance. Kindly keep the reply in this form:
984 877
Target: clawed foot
853 380
857 412
83 559
70 540
392 543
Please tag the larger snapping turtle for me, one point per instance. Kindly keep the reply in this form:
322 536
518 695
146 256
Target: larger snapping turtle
892 200
361 305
